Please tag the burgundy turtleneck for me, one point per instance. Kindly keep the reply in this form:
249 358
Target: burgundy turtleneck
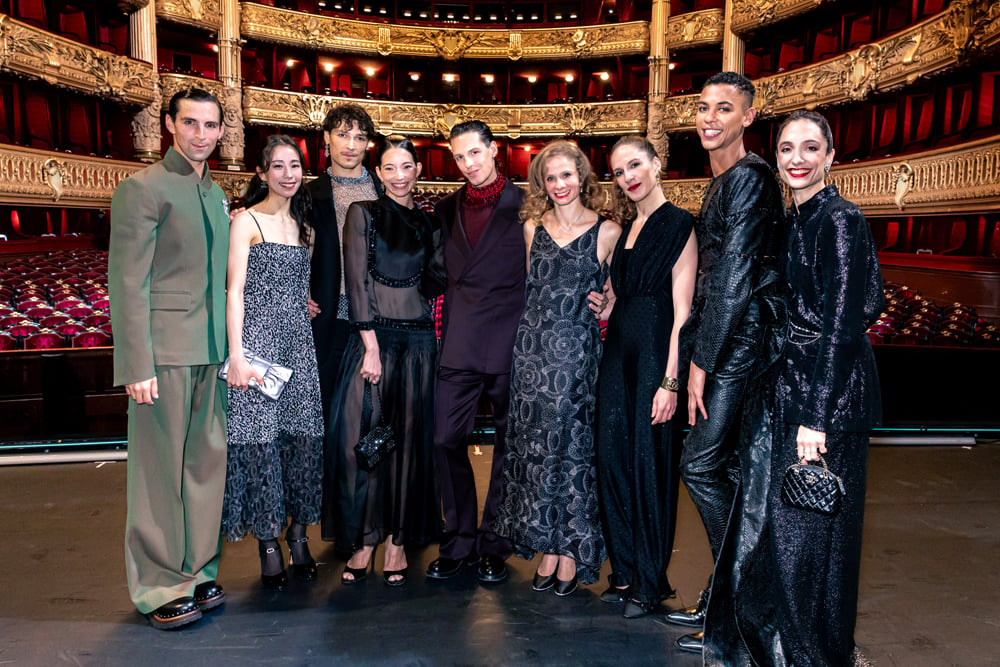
478 205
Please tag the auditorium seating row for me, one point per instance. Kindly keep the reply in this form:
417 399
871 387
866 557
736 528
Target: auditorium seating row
911 319
55 300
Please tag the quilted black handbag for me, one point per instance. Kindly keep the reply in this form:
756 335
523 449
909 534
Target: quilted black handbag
379 441
812 487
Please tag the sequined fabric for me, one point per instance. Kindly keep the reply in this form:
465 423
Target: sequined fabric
274 468
637 462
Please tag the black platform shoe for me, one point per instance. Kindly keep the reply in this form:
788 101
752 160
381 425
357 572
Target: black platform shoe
209 595
175 614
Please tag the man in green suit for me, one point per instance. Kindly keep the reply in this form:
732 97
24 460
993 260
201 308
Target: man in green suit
166 278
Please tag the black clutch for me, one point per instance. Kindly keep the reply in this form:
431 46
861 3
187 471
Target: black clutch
274 376
812 487
379 441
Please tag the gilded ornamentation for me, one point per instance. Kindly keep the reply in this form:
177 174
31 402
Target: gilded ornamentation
263 106
62 62
903 174
129 6
146 132
748 15
694 29
202 13
965 22
923 49
863 68
655 131
52 174
273 24
686 193
514 49
232 141
174 83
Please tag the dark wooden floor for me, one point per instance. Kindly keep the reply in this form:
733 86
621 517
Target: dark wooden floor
930 587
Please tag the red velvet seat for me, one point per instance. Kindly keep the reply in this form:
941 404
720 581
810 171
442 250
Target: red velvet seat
69 329
79 311
69 302
23 330
44 340
13 319
102 303
8 342
39 312
95 338
106 328
54 320
95 320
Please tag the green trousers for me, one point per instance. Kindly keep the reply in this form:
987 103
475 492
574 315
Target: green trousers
176 481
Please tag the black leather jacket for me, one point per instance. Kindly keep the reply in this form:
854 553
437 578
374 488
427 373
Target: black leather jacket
741 237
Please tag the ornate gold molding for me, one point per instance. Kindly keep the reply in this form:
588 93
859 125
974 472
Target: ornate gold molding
692 29
29 51
958 178
748 15
327 33
173 83
263 106
199 13
927 48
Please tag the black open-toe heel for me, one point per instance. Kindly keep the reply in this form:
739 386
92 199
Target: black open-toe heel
395 573
302 561
271 560
359 573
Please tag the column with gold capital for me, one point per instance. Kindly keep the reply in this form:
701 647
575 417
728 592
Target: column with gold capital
734 49
146 132
232 141
659 79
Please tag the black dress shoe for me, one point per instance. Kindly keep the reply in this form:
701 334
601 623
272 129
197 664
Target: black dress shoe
209 595
691 643
564 588
492 569
636 608
543 582
444 568
175 614
692 617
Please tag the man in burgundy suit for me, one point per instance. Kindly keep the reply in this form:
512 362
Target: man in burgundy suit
484 259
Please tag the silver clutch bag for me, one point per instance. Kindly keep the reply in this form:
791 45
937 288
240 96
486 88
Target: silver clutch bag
274 376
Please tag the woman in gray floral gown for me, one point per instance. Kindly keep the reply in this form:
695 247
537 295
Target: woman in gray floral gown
550 486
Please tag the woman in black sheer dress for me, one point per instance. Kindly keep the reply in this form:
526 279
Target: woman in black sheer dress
652 277
392 354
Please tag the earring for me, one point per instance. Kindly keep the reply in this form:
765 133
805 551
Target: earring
827 168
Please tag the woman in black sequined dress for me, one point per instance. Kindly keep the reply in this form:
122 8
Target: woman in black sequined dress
652 277
828 399
393 350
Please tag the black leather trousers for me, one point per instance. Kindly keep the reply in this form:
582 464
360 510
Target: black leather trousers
709 458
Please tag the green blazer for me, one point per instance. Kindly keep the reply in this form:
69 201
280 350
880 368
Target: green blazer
167 269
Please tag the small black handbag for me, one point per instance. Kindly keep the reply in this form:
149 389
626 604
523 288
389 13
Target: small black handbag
812 487
379 441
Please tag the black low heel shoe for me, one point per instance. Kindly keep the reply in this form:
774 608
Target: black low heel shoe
564 588
613 592
636 608
543 582
270 553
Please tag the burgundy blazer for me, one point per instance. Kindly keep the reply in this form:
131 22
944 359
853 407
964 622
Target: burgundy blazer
484 293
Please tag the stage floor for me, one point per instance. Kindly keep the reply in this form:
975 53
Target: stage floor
930 586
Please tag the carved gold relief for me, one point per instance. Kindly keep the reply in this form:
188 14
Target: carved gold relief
174 83
959 178
62 62
749 15
201 13
694 29
924 49
263 106
333 34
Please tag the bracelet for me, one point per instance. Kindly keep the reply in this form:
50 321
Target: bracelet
670 384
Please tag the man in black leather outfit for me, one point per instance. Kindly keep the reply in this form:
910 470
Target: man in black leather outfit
736 324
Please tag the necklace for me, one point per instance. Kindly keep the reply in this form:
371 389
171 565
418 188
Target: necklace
569 227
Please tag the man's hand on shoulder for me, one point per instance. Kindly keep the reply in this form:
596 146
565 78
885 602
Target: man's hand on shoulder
143 392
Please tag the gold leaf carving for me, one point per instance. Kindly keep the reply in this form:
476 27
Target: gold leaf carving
202 13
